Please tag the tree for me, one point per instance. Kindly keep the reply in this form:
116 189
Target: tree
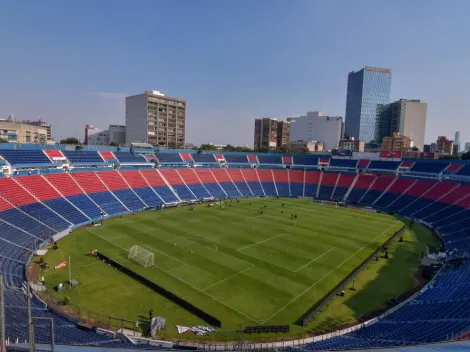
466 155
114 144
3 140
207 147
70 140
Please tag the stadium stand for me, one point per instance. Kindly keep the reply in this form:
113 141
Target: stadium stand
267 182
178 184
428 167
223 179
343 163
193 183
129 158
204 158
141 187
253 181
213 187
296 182
237 178
25 157
169 158
34 207
160 185
83 157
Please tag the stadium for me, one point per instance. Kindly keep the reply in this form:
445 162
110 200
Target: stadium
104 247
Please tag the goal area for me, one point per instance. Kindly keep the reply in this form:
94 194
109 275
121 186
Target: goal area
141 256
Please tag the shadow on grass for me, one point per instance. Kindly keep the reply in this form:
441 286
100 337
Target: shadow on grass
395 278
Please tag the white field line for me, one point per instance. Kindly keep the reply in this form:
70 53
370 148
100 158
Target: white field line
187 283
309 240
181 266
169 256
267 261
229 277
209 248
324 277
310 262
254 244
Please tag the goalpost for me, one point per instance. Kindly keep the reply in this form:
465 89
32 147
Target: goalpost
141 256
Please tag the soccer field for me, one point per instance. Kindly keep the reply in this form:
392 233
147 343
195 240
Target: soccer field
238 266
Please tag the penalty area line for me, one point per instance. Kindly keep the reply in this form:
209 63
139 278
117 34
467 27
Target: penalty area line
187 283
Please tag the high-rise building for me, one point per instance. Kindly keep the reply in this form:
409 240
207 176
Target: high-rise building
444 145
316 127
271 133
407 117
367 88
457 141
283 133
467 147
154 118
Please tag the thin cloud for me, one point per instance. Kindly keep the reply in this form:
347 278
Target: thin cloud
110 95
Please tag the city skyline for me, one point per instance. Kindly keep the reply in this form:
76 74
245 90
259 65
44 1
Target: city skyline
74 73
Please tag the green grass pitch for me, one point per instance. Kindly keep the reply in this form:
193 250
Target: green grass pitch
241 267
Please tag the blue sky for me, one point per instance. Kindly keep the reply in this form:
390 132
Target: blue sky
72 63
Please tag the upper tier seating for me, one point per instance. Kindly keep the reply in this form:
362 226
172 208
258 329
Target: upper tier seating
305 160
169 158
383 165
236 159
129 158
25 157
204 158
83 157
343 163
270 160
429 167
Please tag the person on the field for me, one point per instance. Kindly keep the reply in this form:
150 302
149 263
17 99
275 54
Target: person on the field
150 314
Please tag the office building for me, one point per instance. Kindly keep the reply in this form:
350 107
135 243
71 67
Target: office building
352 144
19 132
154 118
316 127
115 134
444 145
407 117
396 143
270 133
367 88
457 142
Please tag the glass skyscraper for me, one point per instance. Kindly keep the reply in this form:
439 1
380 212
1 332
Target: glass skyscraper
367 88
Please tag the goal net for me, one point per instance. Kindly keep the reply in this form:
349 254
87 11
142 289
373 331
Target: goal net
141 256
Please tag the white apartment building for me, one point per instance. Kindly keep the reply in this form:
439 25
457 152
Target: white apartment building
316 127
154 118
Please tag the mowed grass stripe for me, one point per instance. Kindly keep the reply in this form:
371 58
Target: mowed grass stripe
198 257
